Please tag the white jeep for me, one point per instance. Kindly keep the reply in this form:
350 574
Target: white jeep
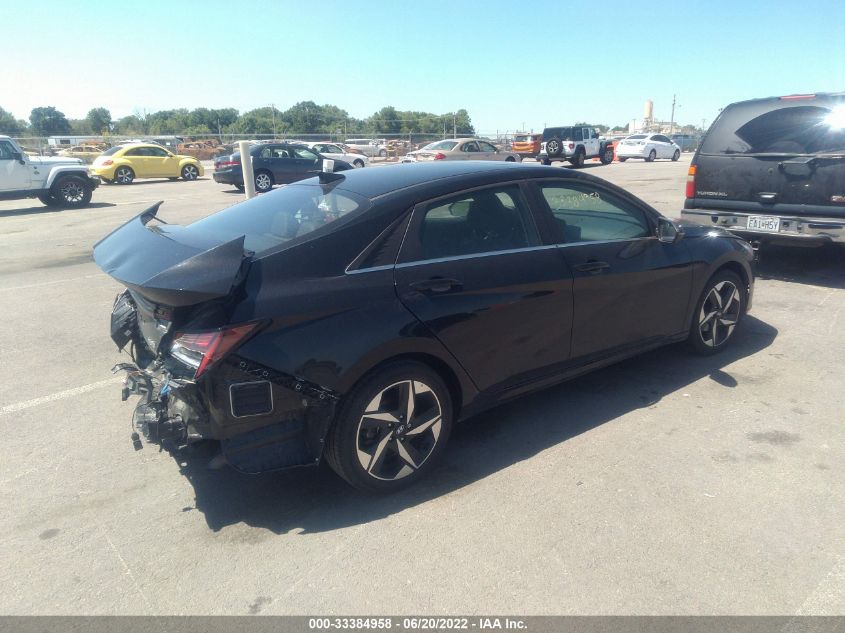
57 182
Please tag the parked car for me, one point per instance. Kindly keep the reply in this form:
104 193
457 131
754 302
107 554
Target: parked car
648 147
773 170
87 153
574 144
526 145
57 182
273 164
355 317
687 142
462 149
369 147
337 152
122 164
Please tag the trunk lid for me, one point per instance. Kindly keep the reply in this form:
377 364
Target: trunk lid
168 268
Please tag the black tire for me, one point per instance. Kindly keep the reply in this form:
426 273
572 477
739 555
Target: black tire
578 160
263 181
390 446
676 155
71 192
510 159
718 312
544 161
651 156
382 153
240 187
124 175
622 160
554 146
607 155
358 163
190 172
48 199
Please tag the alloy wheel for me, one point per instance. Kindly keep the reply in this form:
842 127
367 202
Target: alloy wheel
189 172
399 430
72 192
123 176
719 314
263 182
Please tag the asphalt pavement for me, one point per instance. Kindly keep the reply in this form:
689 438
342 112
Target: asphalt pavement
668 484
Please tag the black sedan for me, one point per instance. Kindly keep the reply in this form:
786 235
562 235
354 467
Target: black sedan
273 164
356 317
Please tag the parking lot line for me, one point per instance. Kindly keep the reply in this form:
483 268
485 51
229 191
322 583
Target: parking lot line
61 395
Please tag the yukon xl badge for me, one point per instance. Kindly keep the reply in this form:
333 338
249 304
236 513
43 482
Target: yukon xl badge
712 194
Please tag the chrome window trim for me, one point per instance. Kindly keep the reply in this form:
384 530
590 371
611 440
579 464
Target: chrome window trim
371 269
454 258
251 415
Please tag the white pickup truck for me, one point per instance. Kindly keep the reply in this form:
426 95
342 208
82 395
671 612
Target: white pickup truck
57 182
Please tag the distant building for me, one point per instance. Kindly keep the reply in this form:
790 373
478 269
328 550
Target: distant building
61 141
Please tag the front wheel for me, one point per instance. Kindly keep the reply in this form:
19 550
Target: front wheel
383 153
607 156
391 428
510 159
651 156
190 172
718 312
358 163
71 192
676 155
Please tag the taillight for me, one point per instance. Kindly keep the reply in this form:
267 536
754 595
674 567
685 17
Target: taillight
691 181
572 146
106 163
227 163
201 350
439 156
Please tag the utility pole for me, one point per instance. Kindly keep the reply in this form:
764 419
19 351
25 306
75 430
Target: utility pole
672 120
273 106
454 125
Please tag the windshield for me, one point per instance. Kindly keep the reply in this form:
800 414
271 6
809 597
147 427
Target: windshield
758 128
284 215
563 133
636 136
445 145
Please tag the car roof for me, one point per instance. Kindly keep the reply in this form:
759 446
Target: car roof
373 183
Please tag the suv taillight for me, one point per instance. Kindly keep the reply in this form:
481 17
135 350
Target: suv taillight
227 163
201 350
691 181
439 156
572 146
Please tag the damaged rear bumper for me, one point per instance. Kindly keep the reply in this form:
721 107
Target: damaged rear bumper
263 419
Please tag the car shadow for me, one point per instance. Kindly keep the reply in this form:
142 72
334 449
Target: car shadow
45 209
819 266
311 500
155 181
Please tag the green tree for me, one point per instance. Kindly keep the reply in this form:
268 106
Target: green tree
129 126
386 121
47 121
99 120
10 125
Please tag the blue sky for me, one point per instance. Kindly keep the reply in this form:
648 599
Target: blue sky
508 63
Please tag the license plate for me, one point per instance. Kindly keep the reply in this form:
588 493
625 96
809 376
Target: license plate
764 223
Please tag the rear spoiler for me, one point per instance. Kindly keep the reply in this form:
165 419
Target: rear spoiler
170 264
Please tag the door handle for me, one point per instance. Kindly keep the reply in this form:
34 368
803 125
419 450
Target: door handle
767 196
436 284
593 267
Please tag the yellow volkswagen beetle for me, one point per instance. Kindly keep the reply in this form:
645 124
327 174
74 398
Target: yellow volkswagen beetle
124 163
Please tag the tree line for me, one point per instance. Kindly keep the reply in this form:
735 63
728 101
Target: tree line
306 117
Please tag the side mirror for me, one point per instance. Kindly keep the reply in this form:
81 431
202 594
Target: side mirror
18 157
328 165
668 232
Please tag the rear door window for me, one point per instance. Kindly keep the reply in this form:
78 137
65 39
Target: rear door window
798 128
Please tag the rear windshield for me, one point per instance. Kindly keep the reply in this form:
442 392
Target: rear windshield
284 215
635 136
112 150
521 138
781 127
447 145
563 133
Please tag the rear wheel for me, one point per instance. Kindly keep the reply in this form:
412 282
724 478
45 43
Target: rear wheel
578 159
676 155
358 163
190 172
124 175
263 181
510 159
240 187
544 161
391 428
622 160
48 199
651 156
718 312
71 192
